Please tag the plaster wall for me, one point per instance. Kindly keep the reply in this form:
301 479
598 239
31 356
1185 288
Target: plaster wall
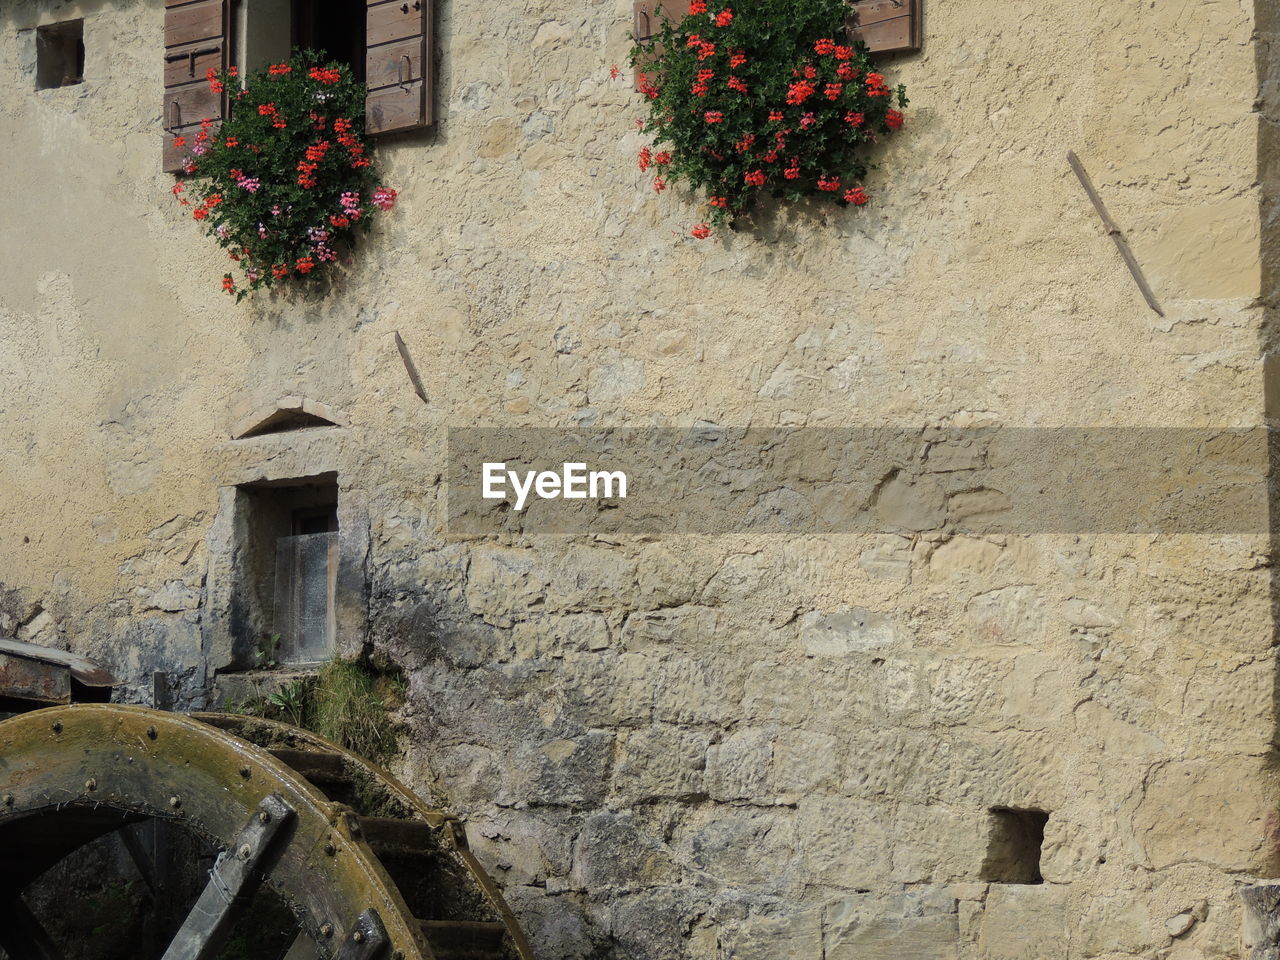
746 747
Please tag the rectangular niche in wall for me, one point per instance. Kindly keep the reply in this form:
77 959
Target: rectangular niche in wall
59 54
289 568
1013 846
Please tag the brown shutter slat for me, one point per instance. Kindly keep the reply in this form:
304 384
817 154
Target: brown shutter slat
398 65
195 40
386 69
887 26
646 22
394 21
182 70
196 21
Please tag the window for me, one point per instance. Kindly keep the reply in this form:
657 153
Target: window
387 43
289 568
305 584
1013 846
59 54
266 31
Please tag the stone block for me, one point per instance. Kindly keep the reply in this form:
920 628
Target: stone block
695 691
853 630
773 936
660 761
553 637
1209 811
1026 922
687 628
804 761
844 843
738 767
565 771
617 850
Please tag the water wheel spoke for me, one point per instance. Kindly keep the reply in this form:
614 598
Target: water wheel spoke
21 935
144 859
232 882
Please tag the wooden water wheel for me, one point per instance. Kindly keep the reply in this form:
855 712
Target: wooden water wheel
364 869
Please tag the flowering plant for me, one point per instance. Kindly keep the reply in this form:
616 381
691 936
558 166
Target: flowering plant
285 182
769 99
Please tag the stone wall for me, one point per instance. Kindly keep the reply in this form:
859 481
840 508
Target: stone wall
733 747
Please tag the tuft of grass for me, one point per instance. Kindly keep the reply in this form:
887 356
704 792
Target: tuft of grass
351 704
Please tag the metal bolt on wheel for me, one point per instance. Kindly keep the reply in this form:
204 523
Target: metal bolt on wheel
367 870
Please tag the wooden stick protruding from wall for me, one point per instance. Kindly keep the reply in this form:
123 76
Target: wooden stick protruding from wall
1121 244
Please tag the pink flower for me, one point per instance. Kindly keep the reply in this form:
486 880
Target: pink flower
384 198
349 200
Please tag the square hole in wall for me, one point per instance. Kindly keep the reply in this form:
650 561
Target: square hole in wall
59 54
1014 843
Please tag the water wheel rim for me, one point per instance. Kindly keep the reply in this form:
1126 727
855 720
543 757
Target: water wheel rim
147 763
273 730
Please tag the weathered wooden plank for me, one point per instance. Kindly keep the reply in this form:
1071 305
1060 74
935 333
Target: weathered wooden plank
399 62
399 838
231 883
319 768
196 21
1109 225
395 21
412 370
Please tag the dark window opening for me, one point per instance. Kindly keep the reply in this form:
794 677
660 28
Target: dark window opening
1014 845
59 54
267 31
289 571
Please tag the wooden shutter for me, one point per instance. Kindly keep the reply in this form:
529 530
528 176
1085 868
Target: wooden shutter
887 26
195 39
398 65
645 24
